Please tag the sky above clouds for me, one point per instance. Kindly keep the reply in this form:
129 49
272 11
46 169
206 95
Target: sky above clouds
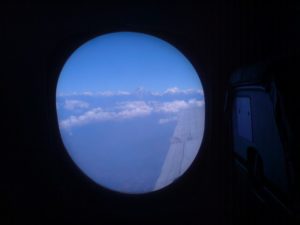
125 61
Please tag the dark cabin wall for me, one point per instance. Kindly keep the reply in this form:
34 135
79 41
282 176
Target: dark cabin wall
40 184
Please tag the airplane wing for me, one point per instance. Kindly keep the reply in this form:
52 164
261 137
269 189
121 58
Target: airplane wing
184 145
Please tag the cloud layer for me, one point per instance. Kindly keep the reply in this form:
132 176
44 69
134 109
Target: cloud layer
75 104
168 91
129 109
167 120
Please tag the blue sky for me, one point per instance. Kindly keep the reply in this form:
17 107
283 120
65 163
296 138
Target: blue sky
125 61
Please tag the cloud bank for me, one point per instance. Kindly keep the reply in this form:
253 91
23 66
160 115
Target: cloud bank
167 120
75 104
130 109
168 91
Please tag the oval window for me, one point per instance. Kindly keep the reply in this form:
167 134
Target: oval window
130 110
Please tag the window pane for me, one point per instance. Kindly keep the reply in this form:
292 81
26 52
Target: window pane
130 110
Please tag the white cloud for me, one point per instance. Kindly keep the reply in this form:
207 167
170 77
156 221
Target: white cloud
168 91
176 90
131 109
74 104
195 102
172 90
67 94
170 107
87 93
104 93
167 120
111 93
126 110
192 91
123 93
175 106
96 114
200 91
156 93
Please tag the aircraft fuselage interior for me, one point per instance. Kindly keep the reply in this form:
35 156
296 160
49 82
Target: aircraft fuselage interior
226 149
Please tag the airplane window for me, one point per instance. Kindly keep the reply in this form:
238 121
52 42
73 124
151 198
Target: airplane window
130 111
